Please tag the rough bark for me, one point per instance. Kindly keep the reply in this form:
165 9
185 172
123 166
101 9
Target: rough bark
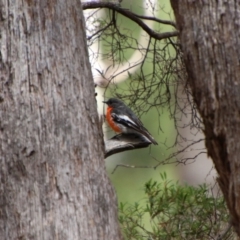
209 36
53 183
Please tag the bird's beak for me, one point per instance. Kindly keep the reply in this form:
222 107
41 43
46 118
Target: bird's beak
104 101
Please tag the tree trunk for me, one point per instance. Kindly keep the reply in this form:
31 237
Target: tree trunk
53 183
209 35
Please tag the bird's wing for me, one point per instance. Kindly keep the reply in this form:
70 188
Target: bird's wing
136 125
126 121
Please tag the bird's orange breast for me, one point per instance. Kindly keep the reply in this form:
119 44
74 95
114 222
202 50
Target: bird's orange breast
111 121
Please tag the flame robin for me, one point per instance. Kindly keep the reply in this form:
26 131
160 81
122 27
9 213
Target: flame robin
122 119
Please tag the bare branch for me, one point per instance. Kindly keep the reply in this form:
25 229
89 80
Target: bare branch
134 17
167 22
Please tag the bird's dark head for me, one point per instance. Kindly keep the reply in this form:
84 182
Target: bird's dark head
113 102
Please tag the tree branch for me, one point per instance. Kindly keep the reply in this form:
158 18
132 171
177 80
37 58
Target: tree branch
134 17
167 22
124 142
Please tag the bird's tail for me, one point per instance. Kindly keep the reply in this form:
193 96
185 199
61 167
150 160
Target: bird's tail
145 133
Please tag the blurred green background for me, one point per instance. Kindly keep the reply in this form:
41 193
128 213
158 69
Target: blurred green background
129 182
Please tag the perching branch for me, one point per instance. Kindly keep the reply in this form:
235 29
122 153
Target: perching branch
124 142
135 18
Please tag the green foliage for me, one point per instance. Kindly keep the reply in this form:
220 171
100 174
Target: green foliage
173 211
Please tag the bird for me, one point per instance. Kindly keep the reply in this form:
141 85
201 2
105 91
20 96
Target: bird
123 120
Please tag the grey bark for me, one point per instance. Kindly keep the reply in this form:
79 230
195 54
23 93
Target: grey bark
53 182
210 40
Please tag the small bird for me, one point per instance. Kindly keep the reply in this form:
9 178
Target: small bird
122 119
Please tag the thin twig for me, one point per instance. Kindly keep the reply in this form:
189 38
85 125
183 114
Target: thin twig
129 166
181 151
100 30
